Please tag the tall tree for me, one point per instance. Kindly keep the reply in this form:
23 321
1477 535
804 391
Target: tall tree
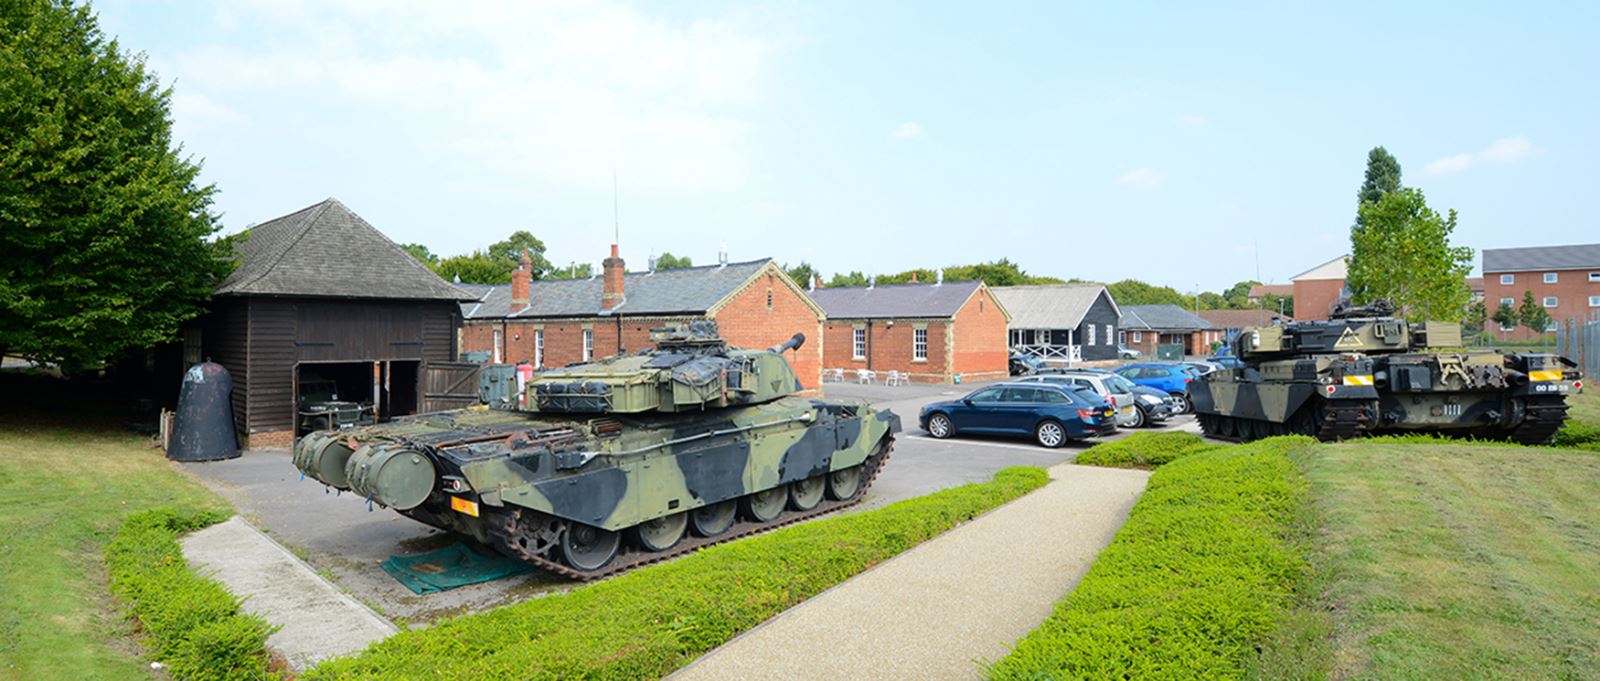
509 253
1532 314
1402 252
103 225
668 261
1382 177
476 267
850 279
1135 292
1507 316
802 274
1476 320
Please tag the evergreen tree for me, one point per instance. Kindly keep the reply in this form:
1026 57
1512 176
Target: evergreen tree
1532 314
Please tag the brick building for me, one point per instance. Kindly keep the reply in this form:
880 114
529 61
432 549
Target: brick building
553 323
1231 321
1147 327
933 332
1062 322
1564 279
1318 289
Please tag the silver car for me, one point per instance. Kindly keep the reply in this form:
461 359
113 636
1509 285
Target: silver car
1105 385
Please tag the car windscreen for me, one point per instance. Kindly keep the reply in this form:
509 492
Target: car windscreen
1120 384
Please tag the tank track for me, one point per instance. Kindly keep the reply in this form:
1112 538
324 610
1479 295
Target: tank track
1339 422
630 557
1344 421
1543 416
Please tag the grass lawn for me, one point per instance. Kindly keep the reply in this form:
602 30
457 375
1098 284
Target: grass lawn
1449 561
66 481
1585 406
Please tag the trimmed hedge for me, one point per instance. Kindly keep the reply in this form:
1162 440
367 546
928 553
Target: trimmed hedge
193 623
649 622
1145 450
1194 581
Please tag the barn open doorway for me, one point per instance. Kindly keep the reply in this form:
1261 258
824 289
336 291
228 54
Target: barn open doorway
348 394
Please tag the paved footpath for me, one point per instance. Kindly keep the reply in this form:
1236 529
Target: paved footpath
317 620
942 608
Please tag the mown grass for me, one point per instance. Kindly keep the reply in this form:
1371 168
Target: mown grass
1585 406
1145 450
69 474
1196 579
650 622
1440 560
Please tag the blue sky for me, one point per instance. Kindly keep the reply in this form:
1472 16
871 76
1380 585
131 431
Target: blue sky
1166 142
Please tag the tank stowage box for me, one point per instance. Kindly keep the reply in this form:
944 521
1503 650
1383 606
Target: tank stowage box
610 464
1364 371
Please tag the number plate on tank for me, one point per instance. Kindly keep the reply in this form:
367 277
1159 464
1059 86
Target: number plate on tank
464 506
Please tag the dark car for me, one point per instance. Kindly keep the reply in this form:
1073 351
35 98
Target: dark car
321 408
1155 406
1051 414
1025 365
1172 379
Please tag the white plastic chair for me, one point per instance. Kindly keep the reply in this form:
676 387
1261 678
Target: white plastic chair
896 378
865 376
837 374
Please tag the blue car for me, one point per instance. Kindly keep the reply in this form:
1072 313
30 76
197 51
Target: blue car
1172 379
1051 414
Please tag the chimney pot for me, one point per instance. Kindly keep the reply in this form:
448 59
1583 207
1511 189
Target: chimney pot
612 288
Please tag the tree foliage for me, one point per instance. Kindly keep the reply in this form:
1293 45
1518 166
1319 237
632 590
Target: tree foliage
493 265
422 254
580 270
1383 176
668 261
1532 314
1135 292
1477 317
854 278
803 274
103 226
1507 316
1402 252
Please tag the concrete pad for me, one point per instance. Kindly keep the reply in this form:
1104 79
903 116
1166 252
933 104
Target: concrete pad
317 620
941 609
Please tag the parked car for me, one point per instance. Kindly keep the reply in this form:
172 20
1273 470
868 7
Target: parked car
1203 366
1172 379
1121 398
1157 405
1124 352
1227 362
321 408
1051 414
1027 365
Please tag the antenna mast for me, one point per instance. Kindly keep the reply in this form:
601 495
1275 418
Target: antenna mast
616 213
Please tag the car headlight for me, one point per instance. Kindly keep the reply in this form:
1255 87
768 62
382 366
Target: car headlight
1151 399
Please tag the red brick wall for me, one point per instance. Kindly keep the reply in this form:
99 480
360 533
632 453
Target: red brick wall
1314 298
1572 290
982 344
890 347
748 321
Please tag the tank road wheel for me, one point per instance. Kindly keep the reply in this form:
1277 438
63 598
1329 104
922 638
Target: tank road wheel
713 519
660 534
588 548
1049 434
939 426
764 506
844 484
804 495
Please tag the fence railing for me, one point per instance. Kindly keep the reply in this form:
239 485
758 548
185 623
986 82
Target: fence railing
1578 339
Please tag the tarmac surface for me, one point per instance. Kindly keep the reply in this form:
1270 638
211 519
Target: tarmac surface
942 609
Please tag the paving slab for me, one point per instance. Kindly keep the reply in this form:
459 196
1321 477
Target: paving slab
941 609
317 620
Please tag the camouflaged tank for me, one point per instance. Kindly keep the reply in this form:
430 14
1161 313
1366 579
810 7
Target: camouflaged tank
1365 371
610 464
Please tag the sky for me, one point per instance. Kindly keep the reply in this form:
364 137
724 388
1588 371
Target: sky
1185 144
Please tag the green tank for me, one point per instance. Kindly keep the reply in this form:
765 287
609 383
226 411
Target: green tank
606 465
1365 371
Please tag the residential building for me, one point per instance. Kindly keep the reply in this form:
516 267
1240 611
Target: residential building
1062 322
552 323
1153 328
935 333
1231 321
1563 279
1319 289
1259 292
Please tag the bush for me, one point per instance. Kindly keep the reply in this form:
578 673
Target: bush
193 623
649 622
1144 450
1194 581
1578 435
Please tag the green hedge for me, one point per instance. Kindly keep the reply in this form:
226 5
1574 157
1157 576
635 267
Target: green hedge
1193 582
649 622
193 623
1145 450
1578 435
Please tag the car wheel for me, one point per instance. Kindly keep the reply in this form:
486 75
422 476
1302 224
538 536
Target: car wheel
1140 420
1180 403
320 423
1050 434
940 427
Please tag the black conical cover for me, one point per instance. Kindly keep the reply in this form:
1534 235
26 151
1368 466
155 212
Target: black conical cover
203 429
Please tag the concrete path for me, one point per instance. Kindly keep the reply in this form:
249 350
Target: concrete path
940 609
318 621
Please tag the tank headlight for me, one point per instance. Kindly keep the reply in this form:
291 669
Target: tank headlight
1255 339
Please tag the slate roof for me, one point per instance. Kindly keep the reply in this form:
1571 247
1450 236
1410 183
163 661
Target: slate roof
1576 257
686 291
894 300
1049 306
327 250
1161 318
1235 319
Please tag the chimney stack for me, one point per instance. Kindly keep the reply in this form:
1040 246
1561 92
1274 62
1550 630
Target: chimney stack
520 281
913 276
816 281
611 295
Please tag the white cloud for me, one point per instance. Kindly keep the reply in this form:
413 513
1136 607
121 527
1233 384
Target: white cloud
1192 121
907 131
1143 178
1503 150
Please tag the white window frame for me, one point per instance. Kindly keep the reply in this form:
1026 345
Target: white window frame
1138 337
1512 327
1594 301
1508 279
588 344
1109 334
538 348
919 344
1508 301
498 338
1594 277
858 343
1552 277
1091 334
1551 301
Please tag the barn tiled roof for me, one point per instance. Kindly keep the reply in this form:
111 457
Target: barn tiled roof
327 250
894 300
1577 257
1161 318
1050 306
686 291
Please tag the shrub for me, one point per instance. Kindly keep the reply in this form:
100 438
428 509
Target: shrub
1578 435
1193 582
1145 450
193 623
647 623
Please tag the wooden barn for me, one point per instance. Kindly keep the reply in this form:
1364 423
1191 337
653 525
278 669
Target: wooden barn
323 301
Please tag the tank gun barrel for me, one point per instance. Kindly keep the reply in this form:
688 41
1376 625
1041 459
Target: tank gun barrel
794 343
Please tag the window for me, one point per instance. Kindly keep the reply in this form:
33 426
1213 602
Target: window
1091 333
1508 327
1108 334
1508 279
1022 395
497 346
859 351
919 344
1550 301
769 299
1509 301
1057 398
1122 338
588 344
1594 301
1550 277
538 349
1594 277
1138 337
192 348
986 395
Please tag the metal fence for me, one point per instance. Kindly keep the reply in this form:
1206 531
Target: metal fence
1578 339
